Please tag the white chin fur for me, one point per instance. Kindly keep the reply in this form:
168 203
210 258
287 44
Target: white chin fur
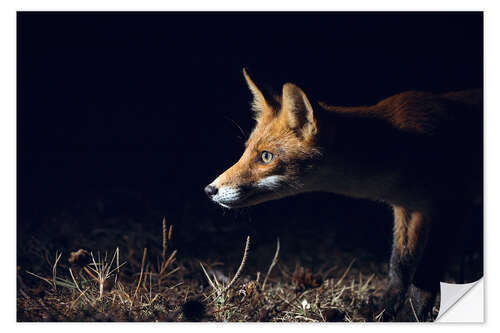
227 195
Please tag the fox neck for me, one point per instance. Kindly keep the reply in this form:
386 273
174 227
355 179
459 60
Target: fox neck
360 159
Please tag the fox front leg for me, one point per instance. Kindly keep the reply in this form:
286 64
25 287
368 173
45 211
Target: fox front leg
418 304
411 232
441 245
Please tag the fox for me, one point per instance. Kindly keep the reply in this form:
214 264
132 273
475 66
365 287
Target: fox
419 152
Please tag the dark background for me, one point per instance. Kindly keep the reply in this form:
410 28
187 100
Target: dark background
134 112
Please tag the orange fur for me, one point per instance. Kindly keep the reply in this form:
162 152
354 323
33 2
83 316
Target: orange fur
407 230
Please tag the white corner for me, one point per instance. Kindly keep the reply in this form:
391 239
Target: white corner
462 303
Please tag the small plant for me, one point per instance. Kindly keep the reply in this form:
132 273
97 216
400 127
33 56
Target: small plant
166 262
53 282
220 291
104 270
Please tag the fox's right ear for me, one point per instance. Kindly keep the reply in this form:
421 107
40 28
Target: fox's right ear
262 104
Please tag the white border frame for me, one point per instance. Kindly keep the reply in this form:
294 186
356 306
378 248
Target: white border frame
8 139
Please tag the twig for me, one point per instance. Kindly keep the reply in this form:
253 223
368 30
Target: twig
365 285
243 260
379 316
167 263
208 277
90 274
74 280
345 273
216 281
273 263
413 309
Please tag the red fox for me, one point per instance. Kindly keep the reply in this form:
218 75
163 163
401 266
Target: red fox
420 152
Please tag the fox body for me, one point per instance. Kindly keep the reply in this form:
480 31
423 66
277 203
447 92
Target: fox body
419 152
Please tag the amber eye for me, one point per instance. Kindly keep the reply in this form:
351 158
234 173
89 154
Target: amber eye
266 156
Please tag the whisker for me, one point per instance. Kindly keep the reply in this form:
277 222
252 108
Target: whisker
238 126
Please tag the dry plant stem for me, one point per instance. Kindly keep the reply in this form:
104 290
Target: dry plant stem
172 272
74 280
218 289
413 309
379 316
54 270
273 263
208 277
164 243
82 293
170 260
90 274
345 273
41 278
142 271
23 293
365 285
150 286
117 264
97 271
162 267
243 260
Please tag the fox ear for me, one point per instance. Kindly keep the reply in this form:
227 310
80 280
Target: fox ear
297 112
262 104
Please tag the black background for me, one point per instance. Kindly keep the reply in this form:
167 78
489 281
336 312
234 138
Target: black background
146 103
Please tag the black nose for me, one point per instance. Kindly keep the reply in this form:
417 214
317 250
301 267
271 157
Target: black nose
211 190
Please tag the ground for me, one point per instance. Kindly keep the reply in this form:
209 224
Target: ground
135 265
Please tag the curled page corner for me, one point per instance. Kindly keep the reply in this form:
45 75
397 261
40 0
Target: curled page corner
461 302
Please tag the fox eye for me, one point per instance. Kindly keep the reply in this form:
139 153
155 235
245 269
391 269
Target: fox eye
266 156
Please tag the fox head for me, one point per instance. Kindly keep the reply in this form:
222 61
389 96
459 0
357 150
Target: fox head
280 153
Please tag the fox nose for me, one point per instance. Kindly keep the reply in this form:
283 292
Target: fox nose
211 190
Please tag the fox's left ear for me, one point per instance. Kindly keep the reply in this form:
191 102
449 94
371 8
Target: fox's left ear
263 104
297 112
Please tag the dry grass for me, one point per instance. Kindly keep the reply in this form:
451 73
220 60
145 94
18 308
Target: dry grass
96 287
